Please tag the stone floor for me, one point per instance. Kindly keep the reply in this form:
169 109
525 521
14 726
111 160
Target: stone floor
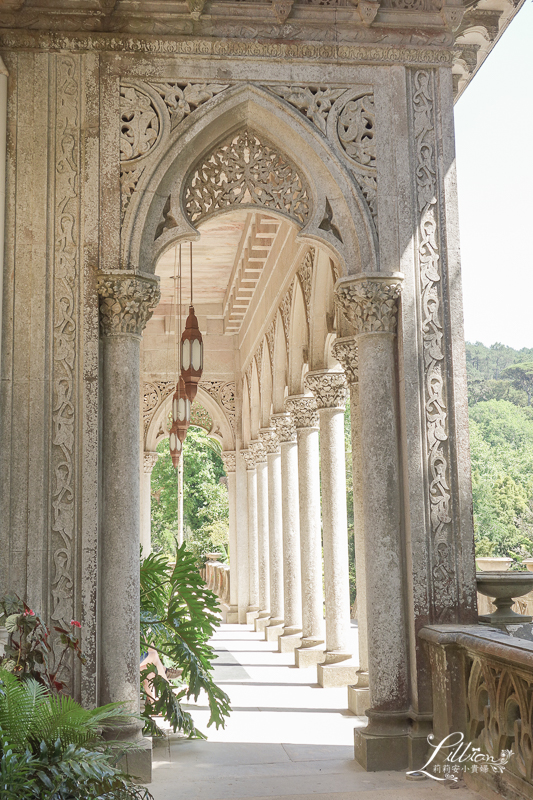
286 737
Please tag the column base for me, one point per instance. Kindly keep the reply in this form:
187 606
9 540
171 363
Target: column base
358 700
273 632
251 615
261 623
287 642
337 673
242 616
309 656
138 762
230 614
384 743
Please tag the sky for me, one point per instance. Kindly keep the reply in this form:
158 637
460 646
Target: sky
494 143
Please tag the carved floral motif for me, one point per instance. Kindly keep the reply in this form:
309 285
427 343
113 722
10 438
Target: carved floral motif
258 451
355 129
269 440
249 458
149 462
346 353
200 416
127 302
313 101
305 275
370 304
432 334
229 459
182 98
139 123
303 411
283 424
246 170
285 311
270 336
328 387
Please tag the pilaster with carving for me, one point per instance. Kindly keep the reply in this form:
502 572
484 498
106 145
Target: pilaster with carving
127 301
303 411
229 459
329 388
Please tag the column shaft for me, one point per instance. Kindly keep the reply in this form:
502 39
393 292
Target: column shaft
262 536
292 575
243 574
359 533
229 459
146 512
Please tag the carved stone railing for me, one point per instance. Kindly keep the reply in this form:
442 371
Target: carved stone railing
217 579
483 687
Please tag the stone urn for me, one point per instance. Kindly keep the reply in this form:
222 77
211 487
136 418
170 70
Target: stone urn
213 556
528 563
490 564
504 587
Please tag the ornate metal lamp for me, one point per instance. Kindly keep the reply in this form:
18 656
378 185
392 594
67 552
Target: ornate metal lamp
181 410
192 350
175 446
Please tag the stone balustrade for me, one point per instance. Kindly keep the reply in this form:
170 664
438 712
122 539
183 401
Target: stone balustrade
482 687
217 578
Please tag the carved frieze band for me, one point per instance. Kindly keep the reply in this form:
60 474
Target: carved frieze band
370 302
283 424
127 302
345 351
303 411
430 270
63 476
328 387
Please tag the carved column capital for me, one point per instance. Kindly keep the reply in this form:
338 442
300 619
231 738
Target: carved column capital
303 410
284 426
149 462
346 353
370 302
127 301
229 460
249 458
259 451
269 440
328 387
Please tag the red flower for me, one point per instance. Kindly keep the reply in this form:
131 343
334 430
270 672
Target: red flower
29 613
73 622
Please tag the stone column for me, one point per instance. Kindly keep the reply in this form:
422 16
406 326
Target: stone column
253 559
149 462
180 502
370 303
243 573
304 413
292 574
229 459
262 534
127 300
275 533
345 351
329 388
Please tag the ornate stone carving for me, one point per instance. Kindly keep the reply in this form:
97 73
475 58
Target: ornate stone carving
200 417
345 351
259 362
63 469
370 303
229 459
249 458
305 275
313 101
282 9
129 178
412 5
182 98
284 427
139 123
127 301
245 170
285 311
149 462
355 130
422 92
259 451
269 440
328 387
270 336
303 411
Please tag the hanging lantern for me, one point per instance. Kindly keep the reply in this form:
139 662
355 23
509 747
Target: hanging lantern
192 355
181 410
175 447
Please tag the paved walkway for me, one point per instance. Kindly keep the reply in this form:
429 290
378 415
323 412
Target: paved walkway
286 738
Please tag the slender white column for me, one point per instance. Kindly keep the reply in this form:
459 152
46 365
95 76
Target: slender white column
345 351
253 561
229 459
329 388
292 575
275 535
243 574
371 304
149 462
303 410
126 303
262 528
180 501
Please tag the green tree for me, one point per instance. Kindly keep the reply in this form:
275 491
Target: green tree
521 376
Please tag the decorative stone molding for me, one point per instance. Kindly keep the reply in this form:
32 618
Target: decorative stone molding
270 337
345 351
355 129
370 302
249 458
149 462
305 276
284 427
303 410
229 459
140 126
200 416
328 387
127 301
246 170
313 101
269 440
182 98
285 311
282 9
259 451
